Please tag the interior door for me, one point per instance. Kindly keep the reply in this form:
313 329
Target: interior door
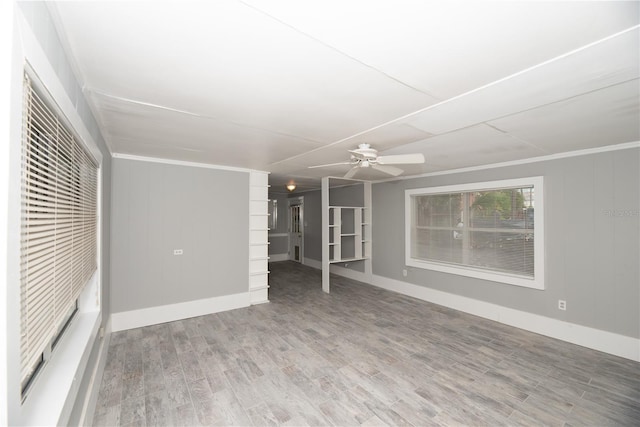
296 230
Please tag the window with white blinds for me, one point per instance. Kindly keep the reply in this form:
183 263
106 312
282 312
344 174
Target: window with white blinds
58 227
486 230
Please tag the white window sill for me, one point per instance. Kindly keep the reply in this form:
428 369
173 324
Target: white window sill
53 395
510 279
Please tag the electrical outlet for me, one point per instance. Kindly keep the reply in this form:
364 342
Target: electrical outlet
562 304
177 251
404 273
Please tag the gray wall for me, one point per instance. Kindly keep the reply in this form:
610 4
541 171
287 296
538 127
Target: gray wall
38 17
591 255
351 195
157 208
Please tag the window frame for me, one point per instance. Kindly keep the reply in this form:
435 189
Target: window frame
52 398
74 203
535 282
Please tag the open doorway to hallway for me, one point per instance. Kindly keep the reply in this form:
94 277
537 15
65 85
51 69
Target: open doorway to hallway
296 229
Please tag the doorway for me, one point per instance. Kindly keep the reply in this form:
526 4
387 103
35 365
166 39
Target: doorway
296 229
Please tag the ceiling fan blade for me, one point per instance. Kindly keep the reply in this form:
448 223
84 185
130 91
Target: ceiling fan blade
329 164
404 159
352 172
388 169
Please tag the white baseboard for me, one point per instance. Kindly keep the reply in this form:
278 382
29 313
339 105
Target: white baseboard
259 295
313 263
349 274
184 310
278 257
108 329
339 270
608 342
91 400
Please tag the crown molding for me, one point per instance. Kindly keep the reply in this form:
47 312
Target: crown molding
183 163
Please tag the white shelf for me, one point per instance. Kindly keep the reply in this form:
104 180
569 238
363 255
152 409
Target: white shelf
348 233
258 273
258 236
333 261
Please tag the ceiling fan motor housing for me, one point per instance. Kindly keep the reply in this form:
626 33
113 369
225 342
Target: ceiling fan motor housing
364 151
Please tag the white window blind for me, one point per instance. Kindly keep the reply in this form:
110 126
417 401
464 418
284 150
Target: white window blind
58 226
486 232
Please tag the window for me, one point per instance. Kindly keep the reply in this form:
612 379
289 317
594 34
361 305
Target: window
58 248
273 214
491 230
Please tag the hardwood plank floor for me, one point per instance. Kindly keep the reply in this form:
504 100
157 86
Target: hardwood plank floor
359 356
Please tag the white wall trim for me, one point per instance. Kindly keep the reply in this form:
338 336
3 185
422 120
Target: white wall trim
8 35
349 273
182 163
313 263
54 394
171 312
576 153
90 401
339 270
608 342
278 257
107 327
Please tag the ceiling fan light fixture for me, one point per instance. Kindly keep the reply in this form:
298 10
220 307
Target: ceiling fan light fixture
366 156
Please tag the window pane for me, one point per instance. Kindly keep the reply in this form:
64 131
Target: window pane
437 245
488 229
509 252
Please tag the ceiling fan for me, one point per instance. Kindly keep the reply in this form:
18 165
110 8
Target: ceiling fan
365 156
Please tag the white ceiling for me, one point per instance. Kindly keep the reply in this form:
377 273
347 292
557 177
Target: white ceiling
280 85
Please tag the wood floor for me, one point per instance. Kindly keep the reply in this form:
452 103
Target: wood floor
359 356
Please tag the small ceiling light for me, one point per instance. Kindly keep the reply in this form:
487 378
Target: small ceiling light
291 187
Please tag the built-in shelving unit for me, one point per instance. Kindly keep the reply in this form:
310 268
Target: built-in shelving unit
346 231
348 234
258 237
